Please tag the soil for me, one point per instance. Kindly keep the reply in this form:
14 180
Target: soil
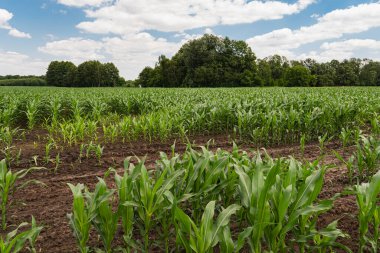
51 203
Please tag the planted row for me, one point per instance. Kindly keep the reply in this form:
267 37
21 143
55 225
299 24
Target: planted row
202 201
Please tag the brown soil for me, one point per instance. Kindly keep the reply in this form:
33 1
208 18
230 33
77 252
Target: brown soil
50 204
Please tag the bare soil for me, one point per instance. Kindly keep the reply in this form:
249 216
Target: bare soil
51 203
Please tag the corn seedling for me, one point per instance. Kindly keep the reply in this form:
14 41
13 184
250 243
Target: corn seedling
81 217
202 237
368 157
105 220
302 145
57 162
350 165
367 198
14 241
150 198
345 137
48 148
8 186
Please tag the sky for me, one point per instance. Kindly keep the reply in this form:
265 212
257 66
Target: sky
132 34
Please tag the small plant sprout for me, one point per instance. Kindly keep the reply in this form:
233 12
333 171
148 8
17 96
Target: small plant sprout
302 145
14 241
8 186
57 162
48 148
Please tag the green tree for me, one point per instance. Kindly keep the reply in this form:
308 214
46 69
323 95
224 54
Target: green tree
209 61
297 76
61 73
370 74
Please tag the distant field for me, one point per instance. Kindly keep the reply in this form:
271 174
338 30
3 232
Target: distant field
261 115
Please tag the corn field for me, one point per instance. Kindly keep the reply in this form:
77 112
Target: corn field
97 165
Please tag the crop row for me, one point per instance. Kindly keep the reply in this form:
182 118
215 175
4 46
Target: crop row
264 116
203 201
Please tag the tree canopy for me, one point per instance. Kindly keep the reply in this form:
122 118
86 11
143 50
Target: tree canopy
87 74
212 61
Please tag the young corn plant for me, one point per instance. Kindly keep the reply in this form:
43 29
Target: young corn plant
57 162
302 145
99 153
345 137
368 157
80 218
202 237
279 203
105 219
48 147
31 112
367 198
150 199
349 163
8 186
15 242
125 188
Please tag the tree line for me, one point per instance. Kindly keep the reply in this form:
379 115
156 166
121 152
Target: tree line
86 74
212 61
18 80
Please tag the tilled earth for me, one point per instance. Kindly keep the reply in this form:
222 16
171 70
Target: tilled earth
50 204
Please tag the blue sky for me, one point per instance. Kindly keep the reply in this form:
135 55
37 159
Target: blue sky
132 34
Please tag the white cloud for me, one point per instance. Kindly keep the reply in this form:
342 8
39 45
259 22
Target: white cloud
74 49
133 53
125 17
333 25
5 17
130 54
82 3
340 50
25 64
18 34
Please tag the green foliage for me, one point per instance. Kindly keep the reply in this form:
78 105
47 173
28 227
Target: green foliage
30 81
203 237
297 76
206 62
80 218
14 241
367 198
87 74
61 74
8 186
275 202
269 116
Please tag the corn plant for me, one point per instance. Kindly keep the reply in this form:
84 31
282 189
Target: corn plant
48 148
125 189
368 157
367 198
279 205
6 140
302 145
81 150
14 241
150 199
349 163
57 162
202 237
105 220
323 140
80 218
99 152
8 186
31 112
345 136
